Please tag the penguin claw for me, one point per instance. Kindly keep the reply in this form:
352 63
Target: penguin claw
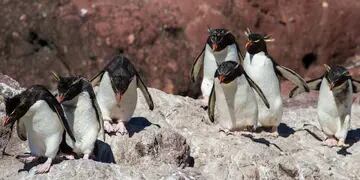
120 128
44 168
108 127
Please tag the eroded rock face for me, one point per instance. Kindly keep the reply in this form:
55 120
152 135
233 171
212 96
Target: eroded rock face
178 134
162 37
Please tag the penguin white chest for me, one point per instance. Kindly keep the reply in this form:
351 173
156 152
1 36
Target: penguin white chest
260 69
106 97
236 106
44 130
211 61
124 110
83 122
334 109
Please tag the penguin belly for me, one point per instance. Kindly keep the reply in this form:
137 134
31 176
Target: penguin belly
44 130
334 110
124 109
83 123
261 70
106 97
236 106
211 61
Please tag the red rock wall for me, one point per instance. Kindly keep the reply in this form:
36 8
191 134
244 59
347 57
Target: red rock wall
162 37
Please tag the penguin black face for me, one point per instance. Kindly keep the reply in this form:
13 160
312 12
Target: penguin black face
122 84
256 43
68 88
10 109
228 71
216 38
336 75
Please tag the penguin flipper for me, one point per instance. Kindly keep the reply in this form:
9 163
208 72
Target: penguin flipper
292 76
53 103
258 90
211 104
356 85
313 84
145 92
97 78
196 67
101 134
21 130
240 55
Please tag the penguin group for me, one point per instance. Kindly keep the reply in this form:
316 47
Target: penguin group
241 92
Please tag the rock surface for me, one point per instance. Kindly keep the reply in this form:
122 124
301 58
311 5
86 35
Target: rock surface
162 37
176 141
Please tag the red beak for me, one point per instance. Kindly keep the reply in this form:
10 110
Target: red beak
60 98
214 47
6 120
221 78
248 44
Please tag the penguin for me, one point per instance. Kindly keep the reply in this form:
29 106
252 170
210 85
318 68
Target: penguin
234 99
82 110
220 46
336 88
262 68
116 93
40 120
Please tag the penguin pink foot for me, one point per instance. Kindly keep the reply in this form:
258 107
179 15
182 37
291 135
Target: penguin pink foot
341 143
331 142
274 132
44 168
86 156
108 127
120 128
26 159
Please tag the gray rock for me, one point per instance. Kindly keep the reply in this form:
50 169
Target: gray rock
176 141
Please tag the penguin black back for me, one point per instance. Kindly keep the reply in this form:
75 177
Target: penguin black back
17 106
219 39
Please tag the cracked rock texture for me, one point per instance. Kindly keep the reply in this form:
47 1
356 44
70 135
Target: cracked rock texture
176 141
162 37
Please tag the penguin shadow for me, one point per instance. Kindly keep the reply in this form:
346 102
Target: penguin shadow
285 131
261 141
103 152
137 124
352 138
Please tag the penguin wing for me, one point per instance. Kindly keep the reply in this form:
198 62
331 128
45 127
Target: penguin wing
211 104
97 78
196 67
313 84
52 102
292 76
240 55
356 85
21 130
145 91
101 134
258 90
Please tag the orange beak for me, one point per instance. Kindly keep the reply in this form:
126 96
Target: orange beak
6 120
248 44
221 78
60 98
214 47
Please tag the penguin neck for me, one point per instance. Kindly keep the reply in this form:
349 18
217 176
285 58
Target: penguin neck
77 99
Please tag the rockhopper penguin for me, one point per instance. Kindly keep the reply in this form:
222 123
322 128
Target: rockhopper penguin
261 67
82 110
220 46
116 92
233 98
40 120
336 88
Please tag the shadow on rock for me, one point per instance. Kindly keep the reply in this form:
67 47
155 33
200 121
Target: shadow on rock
28 166
261 141
103 152
285 131
137 124
352 138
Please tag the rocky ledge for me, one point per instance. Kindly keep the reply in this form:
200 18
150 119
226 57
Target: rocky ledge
176 141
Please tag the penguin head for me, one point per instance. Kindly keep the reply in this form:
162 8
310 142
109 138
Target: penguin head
11 110
218 39
228 71
337 76
121 83
69 87
256 42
